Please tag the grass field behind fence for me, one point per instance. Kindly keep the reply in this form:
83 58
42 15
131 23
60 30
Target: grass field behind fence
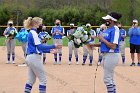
65 41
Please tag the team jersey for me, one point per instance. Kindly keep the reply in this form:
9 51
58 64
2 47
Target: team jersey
60 29
122 33
10 30
111 35
22 36
93 33
70 32
34 45
134 34
42 34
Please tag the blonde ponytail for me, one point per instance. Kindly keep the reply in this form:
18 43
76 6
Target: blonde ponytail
28 23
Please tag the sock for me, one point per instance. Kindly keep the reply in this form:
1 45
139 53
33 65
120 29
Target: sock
44 58
55 57
60 55
8 57
13 57
28 88
84 59
91 59
76 59
100 58
123 59
42 89
70 56
114 88
110 88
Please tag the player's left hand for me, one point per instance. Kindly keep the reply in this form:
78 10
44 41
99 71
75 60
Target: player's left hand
100 36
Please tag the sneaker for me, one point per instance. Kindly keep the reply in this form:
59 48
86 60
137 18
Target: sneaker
83 64
13 62
55 63
44 63
69 62
90 64
8 62
60 62
77 63
99 63
138 64
132 64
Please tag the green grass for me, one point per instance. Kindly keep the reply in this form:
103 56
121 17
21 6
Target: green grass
65 41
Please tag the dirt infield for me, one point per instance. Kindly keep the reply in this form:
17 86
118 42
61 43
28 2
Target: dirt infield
67 78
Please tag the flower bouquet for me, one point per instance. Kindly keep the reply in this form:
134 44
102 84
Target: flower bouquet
12 34
80 36
45 38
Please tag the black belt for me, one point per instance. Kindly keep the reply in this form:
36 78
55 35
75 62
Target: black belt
34 53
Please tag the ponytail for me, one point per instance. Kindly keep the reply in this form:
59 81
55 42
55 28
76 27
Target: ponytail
28 22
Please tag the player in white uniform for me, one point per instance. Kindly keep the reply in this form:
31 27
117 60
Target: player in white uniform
10 32
34 50
71 45
110 49
85 50
57 33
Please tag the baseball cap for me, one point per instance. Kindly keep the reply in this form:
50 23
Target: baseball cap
113 16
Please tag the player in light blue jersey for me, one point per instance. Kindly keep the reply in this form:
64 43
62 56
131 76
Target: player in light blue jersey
57 33
85 50
110 49
122 42
10 33
134 33
34 51
71 45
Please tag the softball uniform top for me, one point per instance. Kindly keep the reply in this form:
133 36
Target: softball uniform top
134 34
60 29
91 39
111 35
122 33
9 30
34 46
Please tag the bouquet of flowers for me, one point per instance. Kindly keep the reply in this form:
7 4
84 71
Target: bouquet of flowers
45 38
12 34
80 36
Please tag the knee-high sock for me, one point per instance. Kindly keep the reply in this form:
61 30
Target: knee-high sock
70 56
60 55
84 59
28 88
55 57
8 57
91 59
42 89
13 57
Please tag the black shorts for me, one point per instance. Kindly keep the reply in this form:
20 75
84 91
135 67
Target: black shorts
134 48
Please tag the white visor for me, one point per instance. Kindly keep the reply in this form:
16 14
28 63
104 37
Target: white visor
10 22
71 24
135 21
88 25
109 17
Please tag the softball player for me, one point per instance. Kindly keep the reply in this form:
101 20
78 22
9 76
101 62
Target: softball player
42 36
102 28
86 52
57 33
134 33
71 45
33 59
122 42
10 41
22 37
110 49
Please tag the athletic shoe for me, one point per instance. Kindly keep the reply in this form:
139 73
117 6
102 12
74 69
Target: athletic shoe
83 64
44 63
132 64
8 62
90 64
69 62
138 64
55 63
99 63
60 62
77 63
13 62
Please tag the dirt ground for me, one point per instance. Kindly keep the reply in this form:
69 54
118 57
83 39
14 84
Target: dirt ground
67 78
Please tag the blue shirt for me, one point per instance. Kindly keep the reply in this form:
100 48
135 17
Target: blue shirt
70 32
122 33
42 34
60 29
134 34
93 33
9 30
34 46
22 36
111 34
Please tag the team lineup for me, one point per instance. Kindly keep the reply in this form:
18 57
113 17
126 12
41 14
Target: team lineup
34 38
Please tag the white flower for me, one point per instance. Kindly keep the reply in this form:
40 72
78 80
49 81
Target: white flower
84 38
77 41
85 32
78 34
